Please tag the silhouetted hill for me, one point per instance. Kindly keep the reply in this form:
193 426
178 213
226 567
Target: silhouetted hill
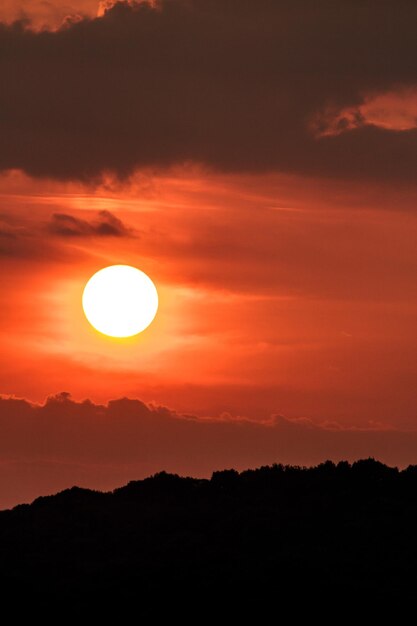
253 541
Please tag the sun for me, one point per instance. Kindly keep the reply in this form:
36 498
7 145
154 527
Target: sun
120 301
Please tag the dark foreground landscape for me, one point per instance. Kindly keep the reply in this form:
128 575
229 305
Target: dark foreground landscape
238 544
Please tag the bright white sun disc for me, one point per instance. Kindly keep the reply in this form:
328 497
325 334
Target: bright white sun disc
120 301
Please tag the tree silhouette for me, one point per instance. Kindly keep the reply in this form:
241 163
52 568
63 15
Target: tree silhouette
234 545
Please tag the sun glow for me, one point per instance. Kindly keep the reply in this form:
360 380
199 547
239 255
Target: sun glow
120 301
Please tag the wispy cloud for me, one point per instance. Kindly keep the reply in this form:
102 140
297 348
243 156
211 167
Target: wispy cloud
104 225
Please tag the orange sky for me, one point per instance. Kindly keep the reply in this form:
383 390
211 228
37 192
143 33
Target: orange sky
47 14
276 294
283 248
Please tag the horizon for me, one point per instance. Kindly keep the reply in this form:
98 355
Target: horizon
362 465
102 446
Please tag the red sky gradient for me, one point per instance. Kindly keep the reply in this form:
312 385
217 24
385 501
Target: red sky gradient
286 327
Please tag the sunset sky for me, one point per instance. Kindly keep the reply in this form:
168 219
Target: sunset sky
258 161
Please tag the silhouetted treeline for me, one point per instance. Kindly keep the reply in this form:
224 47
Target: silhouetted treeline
239 544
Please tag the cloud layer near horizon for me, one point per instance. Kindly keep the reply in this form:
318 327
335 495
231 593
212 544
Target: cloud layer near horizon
54 445
235 86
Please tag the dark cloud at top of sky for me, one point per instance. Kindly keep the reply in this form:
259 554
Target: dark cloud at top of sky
106 225
234 85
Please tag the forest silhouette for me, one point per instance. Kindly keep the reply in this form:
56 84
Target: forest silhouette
238 544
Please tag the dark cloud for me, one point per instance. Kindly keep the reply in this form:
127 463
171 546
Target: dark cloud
104 445
105 225
234 85
25 239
